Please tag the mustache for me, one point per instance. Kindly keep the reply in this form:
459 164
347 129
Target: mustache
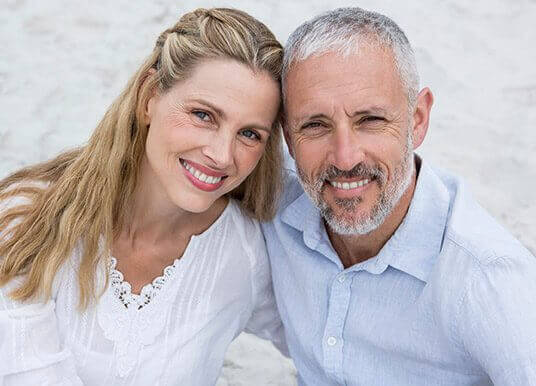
361 170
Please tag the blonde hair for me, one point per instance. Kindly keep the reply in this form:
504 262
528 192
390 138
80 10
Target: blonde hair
84 192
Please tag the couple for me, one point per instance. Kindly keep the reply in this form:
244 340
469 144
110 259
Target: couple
137 258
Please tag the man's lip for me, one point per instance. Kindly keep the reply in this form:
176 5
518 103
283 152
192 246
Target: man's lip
353 179
349 191
204 169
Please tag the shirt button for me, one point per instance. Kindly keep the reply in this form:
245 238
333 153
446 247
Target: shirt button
341 278
332 341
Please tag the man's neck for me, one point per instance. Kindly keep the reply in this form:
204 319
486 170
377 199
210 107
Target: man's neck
354 249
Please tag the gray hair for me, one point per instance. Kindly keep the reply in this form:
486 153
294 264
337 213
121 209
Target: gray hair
341 30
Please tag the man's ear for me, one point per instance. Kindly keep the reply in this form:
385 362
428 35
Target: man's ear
421 116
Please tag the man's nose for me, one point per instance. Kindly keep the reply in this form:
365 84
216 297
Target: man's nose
346 148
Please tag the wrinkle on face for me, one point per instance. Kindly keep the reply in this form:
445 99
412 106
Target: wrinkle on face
349 111
233 99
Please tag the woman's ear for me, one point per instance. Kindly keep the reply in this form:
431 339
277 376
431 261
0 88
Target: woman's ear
149 107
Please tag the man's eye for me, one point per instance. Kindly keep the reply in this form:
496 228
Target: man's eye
312 125
202 115
251 134
371 119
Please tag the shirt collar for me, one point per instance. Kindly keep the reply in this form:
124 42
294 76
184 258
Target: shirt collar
417 242
302 215
413 247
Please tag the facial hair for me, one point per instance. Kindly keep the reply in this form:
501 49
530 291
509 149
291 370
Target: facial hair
349 223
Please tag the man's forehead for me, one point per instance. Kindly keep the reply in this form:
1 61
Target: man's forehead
365 80
333 68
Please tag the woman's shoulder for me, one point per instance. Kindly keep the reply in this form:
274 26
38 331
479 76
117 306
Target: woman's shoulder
246 227
240 215
22 195
250 237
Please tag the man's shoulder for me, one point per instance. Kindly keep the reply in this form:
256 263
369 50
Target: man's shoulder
471 229
292 189
480 269
475 245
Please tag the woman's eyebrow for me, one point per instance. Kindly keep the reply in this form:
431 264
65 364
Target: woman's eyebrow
221 113
217 110
259 127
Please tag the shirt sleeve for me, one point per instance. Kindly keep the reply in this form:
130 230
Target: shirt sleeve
265 321
497 320
30 349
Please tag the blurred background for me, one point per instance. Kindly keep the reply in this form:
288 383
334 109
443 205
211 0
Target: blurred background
63 62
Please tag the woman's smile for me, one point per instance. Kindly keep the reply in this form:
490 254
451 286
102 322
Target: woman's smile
202 177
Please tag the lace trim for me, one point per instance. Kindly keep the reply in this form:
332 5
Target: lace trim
123 289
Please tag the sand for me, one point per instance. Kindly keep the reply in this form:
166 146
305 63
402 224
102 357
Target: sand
62 63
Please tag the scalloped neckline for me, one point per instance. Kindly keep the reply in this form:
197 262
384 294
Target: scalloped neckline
123 289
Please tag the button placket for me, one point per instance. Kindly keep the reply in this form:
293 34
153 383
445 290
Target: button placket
333 343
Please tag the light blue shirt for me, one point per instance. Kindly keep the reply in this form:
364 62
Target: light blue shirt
449 300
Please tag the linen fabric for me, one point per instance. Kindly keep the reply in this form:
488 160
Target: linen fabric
449 300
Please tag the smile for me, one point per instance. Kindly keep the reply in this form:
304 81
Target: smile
201 179
349 185
200 175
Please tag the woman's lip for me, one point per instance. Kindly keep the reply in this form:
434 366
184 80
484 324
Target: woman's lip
204 169
200 184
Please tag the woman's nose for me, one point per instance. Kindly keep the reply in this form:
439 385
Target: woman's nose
220 149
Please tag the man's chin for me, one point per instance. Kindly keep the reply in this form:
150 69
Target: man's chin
342 222
351 207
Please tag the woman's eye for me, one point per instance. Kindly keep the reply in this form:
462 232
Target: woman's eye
204 116
251 134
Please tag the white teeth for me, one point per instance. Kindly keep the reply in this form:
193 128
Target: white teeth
201 176
349 185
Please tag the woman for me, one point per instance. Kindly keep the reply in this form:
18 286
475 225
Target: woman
170 184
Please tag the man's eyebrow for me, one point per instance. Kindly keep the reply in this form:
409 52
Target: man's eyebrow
369 110
310 117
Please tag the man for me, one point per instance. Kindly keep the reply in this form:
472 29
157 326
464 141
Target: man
386 271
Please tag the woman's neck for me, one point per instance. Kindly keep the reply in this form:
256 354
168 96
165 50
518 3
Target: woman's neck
153 218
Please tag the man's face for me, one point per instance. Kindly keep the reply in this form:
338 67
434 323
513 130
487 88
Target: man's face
350 132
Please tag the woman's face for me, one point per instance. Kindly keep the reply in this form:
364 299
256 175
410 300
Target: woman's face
207 133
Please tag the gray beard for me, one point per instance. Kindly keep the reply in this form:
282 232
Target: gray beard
390 194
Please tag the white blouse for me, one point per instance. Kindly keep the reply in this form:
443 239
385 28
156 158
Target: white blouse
175 332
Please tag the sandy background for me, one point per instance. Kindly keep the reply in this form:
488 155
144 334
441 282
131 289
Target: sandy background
63 62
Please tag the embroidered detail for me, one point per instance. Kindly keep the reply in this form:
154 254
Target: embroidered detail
134 321
123 289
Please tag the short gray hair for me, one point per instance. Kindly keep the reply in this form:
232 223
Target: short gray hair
341 29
